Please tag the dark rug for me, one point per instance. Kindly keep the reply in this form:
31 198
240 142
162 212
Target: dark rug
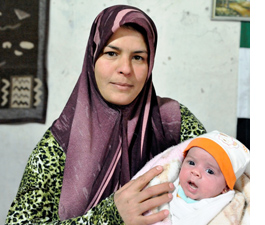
23 53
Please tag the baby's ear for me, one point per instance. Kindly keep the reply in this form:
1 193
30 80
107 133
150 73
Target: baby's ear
226 189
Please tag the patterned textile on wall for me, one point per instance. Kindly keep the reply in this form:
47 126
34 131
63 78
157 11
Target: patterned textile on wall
23 47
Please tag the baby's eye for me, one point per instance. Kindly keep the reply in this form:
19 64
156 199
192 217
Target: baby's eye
191 163
210 171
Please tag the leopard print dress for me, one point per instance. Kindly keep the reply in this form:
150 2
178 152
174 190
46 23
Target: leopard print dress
38 196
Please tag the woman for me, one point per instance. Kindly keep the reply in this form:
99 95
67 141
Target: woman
112 124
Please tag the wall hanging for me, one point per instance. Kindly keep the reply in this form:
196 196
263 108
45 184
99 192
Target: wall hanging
23 51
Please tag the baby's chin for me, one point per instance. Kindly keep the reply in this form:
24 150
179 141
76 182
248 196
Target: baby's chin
197 197
192 191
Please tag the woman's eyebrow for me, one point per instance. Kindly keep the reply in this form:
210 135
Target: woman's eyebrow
113 47
118 49
141 51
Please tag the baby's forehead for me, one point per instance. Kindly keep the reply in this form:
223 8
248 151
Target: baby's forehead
200 154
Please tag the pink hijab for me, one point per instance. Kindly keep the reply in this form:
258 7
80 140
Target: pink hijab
105 144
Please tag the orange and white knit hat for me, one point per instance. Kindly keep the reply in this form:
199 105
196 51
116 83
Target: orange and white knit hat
230 154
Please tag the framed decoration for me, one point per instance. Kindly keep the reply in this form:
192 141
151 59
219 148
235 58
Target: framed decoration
231 10
23 72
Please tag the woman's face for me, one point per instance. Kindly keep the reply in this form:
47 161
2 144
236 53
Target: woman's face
121 70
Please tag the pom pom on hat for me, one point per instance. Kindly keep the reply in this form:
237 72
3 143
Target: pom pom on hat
231 155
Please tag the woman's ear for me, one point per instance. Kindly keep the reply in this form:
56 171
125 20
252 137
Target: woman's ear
226 189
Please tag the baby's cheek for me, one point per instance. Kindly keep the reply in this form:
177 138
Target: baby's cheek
181 177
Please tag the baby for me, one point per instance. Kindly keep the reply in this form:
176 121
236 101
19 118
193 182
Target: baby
204 171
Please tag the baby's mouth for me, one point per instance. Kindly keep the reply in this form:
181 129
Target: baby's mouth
192 185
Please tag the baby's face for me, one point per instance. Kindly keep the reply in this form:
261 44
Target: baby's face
200 175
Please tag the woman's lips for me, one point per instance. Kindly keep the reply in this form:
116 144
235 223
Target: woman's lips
122 86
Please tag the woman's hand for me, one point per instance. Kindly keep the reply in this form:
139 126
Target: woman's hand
132 200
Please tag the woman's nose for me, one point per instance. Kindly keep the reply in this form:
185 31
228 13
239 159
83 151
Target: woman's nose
125 66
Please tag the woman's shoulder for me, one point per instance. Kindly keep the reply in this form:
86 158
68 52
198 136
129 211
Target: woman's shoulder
169 109
47 153
190 126
165 102
50 144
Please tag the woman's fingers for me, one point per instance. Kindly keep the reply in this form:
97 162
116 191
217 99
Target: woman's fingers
155 196
141 182
144 179
154 218
132 200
